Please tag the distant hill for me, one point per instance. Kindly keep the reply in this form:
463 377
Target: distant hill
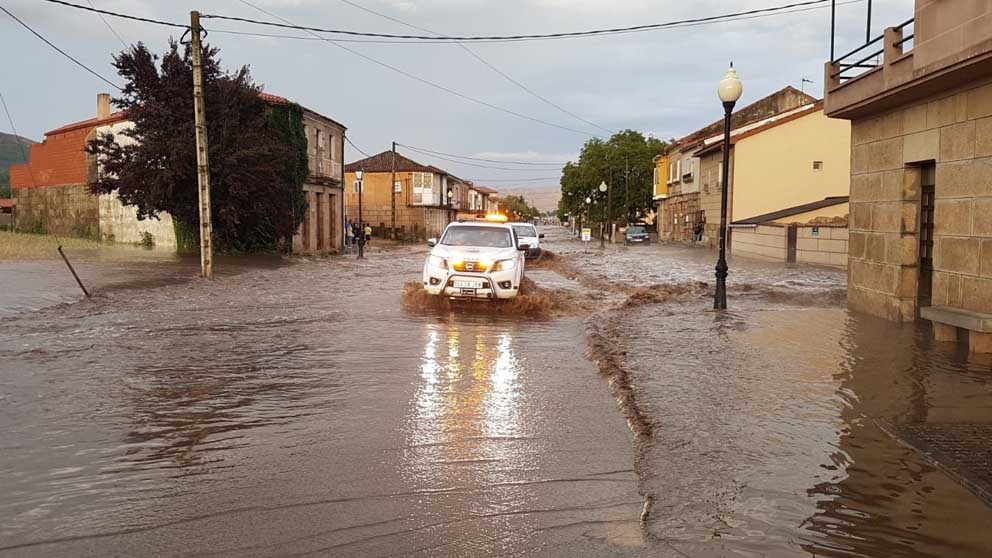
10 154
544 198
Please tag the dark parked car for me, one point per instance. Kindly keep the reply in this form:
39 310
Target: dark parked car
636 235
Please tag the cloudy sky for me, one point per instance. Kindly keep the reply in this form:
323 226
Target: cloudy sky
659 82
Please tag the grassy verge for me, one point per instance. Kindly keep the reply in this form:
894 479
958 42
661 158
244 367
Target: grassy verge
22 246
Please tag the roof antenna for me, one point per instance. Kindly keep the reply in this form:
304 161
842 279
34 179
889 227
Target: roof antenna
802 84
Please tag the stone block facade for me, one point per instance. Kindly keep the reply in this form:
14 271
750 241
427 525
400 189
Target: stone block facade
68 210
890 152
411 221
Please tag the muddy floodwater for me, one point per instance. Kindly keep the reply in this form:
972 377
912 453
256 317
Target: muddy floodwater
307 408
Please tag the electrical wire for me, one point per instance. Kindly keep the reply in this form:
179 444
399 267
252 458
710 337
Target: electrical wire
428 154
485 62
105 22
416 42
433 152
60 51
359 149
471 38
514 179
427 82
118 14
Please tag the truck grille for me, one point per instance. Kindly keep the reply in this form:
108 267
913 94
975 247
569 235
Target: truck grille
478 267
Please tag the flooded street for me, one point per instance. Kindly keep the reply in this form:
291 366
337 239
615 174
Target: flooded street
298 407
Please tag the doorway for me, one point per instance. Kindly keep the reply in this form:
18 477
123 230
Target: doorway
928 174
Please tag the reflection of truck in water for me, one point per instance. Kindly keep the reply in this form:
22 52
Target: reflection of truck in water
479 260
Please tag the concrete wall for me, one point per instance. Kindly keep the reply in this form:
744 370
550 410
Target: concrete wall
120 223
823 244
764 241
68 210
953 130
773 169
815 244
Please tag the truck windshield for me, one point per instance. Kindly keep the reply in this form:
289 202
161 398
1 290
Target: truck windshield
525 230
636 230
487 237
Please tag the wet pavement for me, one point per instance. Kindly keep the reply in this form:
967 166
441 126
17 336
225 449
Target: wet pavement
298 410
296 407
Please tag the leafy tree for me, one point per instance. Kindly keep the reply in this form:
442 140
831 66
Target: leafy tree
256 168
626 163
517 208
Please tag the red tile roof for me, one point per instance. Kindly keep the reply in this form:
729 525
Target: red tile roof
383 162
88 123
274 99
7 203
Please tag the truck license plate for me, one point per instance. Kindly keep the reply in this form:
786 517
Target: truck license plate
468 284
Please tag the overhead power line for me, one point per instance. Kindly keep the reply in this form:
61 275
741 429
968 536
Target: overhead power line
105 22
118 14
539 178
546 36
728 19
443 158
428 82
59 50
359 149
485 62
433 152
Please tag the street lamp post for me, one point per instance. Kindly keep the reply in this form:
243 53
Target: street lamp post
359 174
603 187
729 92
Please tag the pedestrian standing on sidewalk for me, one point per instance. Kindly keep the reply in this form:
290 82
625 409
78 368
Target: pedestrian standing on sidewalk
349 233
697 233
368 233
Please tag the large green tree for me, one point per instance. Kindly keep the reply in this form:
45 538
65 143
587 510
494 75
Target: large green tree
256 166
626 163
517 208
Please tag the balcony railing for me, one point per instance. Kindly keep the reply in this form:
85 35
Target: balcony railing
874 53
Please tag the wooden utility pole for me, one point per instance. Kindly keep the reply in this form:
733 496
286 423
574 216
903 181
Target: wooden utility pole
202 164
392 192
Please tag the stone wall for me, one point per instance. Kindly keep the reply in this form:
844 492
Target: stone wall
953 131
423 222
68 210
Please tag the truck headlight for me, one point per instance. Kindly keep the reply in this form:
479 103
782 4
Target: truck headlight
505 265
437 261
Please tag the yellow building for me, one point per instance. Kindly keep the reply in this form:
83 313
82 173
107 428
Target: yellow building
791 169
417 202
660 192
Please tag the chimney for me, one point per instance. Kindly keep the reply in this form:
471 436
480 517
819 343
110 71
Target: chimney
102 106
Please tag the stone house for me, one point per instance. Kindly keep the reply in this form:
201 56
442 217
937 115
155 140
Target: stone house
51 190
426 197
921 169
322 229
53 196
417 200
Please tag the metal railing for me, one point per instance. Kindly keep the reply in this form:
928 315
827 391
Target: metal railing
864 58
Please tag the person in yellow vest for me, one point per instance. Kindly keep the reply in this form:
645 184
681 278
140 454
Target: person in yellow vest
368 233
